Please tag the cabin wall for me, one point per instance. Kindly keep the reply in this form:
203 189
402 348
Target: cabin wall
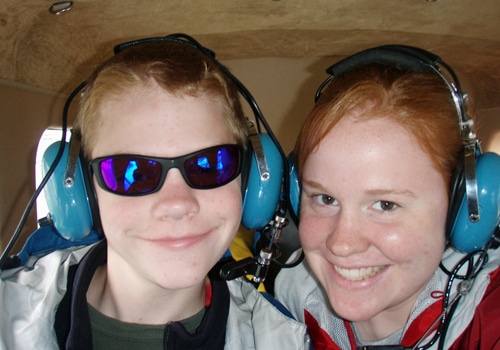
283 87
24 114
489 129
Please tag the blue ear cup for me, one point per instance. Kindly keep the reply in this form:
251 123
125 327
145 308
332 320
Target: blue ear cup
466 236
294 191
69 207
261 196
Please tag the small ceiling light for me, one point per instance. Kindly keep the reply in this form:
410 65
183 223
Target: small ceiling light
60 7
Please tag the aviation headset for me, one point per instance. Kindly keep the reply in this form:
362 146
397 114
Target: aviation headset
69 191
473 218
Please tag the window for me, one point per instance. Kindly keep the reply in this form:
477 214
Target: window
49 136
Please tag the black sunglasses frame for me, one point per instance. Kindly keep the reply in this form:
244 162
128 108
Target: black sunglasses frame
166 165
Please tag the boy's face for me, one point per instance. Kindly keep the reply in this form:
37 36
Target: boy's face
372 221
172 238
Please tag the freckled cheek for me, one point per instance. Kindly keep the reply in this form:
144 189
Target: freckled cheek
224 202
313 232
409 244
228 199
434 247
116 211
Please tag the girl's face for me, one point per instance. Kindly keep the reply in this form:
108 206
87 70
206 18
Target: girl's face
172 238
372 221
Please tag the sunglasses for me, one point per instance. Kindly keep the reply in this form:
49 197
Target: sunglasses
135 175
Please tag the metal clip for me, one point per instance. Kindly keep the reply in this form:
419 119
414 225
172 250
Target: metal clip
471 181
258 151
74 153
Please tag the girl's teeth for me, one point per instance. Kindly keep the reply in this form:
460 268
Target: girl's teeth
358 274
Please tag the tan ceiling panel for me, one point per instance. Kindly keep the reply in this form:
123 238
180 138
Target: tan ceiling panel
56 52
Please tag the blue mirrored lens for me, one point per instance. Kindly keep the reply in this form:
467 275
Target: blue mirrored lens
214 168
130 175
137 175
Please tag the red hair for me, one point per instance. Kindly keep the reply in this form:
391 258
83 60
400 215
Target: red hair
420 102
177 68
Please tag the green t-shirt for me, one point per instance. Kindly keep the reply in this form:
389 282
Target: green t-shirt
108 333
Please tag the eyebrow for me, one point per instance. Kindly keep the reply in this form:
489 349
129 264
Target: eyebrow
374 192
314 184
382 192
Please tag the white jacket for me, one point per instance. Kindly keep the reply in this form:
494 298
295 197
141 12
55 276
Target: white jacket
30 296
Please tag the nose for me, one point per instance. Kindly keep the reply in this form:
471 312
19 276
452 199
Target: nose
176 199
347 236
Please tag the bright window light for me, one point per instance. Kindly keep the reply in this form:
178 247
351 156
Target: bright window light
49 136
